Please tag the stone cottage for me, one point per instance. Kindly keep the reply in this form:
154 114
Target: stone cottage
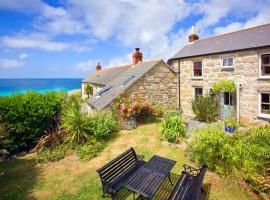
154 81
242 57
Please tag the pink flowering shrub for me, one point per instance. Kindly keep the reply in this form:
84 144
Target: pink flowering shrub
130 108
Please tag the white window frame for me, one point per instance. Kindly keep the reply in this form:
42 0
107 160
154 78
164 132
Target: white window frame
260 114
196 77
194 88
260 66
227 66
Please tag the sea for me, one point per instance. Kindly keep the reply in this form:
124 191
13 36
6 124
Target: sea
42 85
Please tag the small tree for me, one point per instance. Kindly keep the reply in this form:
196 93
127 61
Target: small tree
89 90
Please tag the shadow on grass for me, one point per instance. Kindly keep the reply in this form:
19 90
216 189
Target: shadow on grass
18 178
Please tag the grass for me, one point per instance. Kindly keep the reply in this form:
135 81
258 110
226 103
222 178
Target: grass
71 178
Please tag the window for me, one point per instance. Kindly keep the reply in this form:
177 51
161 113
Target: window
228 99
265 103
197 69
227 62
127 80
198 91
265 64
103 90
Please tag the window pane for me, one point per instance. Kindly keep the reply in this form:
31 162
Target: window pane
225 61
265 64
265 98
265 109
198 91
230 61
226 98
197 68
266 59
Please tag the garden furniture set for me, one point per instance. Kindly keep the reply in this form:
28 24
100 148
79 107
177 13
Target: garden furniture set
130 171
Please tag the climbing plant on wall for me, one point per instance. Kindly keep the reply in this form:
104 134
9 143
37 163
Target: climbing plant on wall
225 86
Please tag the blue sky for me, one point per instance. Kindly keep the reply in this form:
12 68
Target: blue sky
66 38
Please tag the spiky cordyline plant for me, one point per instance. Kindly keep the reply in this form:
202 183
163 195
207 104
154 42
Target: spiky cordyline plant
205 108
75 123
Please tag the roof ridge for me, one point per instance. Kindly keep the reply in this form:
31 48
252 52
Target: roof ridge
127 65
246 29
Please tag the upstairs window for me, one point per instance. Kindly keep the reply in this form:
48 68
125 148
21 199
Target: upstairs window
198 91
265 103
265 65
197 69
227 62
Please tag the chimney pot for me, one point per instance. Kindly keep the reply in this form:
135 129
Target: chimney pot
193 36
98 67
137 56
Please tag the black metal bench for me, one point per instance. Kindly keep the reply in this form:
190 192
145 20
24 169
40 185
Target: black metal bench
114 174
189 185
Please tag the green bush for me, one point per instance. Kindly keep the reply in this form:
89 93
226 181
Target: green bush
57 152
245 153
225 86
102 124
27 116
173 127
208 147
205 108
90 149
75 123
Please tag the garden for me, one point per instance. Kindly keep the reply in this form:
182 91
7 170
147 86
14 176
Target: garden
51 149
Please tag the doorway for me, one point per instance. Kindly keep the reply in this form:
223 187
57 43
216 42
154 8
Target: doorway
227 104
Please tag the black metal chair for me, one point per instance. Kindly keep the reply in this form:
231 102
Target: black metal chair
114 174
189 184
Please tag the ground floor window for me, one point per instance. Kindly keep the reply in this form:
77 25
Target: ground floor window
265 103
198 91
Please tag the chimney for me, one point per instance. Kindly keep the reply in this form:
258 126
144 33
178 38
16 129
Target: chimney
137 56
193 36
98 67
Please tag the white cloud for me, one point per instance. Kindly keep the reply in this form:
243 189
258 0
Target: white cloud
250 13
24 6
23 56
13 63
36 41
262 17
118 61
132 23
85 66
44 42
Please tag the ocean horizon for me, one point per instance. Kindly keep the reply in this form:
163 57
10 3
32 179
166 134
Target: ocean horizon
22 85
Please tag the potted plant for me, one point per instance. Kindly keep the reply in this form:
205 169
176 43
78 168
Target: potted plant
230 124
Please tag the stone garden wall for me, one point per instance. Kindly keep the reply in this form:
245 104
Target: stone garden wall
245 72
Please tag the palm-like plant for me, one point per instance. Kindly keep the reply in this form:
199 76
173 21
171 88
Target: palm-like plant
89 90
74 122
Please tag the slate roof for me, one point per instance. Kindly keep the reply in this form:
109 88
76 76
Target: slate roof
104 76
115 86
239 40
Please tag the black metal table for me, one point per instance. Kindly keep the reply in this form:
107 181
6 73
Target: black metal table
148 178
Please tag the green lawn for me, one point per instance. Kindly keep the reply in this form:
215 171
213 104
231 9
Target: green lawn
71 178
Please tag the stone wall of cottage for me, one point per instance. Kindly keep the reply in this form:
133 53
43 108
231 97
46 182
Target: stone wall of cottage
159 86
245 72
